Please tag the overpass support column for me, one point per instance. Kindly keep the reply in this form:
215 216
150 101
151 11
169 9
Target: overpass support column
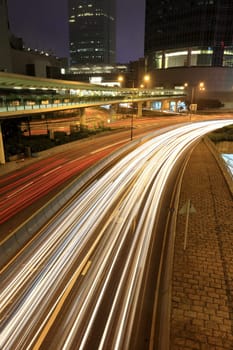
139 109
113 111
82 118
163 60
2 154
189 57
165 105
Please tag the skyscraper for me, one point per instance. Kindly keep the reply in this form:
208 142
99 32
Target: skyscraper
92 31
189 33
190 43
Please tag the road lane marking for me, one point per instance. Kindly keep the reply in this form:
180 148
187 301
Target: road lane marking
20 189
86 268
109 146
56 310
61 301
75 160
51 171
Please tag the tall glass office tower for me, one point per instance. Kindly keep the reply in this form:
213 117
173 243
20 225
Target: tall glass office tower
92 31
189 33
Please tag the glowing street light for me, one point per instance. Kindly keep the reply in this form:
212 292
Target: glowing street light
200 86
146 79
120 79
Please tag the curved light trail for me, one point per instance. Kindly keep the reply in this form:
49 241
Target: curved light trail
39 179
104 235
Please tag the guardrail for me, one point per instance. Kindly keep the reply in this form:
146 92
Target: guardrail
23 103
221 163
29 107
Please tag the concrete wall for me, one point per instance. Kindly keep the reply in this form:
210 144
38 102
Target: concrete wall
215 78
218 81
20 60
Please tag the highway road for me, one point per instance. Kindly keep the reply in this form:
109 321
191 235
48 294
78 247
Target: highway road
80 283
30 187
19 190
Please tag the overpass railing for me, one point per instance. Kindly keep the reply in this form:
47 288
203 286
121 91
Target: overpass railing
12 103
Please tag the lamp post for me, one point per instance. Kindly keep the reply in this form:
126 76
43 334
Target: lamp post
43 117
146 79
131 128
120 79
131 123
200 86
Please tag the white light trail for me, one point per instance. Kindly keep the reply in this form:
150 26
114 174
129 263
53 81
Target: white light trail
86 230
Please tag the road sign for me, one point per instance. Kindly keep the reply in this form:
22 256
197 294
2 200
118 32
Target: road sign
193 107
187 206
187 209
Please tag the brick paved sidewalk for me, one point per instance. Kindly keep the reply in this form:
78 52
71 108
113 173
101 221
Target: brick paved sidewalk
202 295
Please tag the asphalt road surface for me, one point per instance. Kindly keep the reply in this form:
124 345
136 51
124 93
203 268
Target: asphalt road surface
80 283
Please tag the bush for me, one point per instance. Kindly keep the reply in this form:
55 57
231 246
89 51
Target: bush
38 143
209 103
224 134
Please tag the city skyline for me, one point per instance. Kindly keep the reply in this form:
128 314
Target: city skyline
44 25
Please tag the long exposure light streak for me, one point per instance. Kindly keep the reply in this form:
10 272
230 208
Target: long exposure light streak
94 228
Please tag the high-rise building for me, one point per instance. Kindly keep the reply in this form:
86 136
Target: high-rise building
190 42
189 33
92 31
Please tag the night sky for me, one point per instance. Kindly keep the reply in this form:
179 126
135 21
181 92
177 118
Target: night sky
43 24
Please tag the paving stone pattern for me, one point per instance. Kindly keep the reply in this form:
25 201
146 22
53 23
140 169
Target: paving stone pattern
202 290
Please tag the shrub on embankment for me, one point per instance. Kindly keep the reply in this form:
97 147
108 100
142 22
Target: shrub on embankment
224 134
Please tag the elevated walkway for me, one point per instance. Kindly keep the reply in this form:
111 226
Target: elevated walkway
24 96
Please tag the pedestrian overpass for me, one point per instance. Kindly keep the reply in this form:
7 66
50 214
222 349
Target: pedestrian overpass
22 96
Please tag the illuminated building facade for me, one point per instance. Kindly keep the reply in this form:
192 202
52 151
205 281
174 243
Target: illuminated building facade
92 31
181 33
191 42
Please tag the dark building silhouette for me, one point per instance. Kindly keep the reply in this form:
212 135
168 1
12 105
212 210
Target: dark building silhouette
15 58
191 42
92 31
189 33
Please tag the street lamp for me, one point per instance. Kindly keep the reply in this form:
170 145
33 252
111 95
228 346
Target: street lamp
146 79
186 85
120 79
131 128
43 117
200 86
131 124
